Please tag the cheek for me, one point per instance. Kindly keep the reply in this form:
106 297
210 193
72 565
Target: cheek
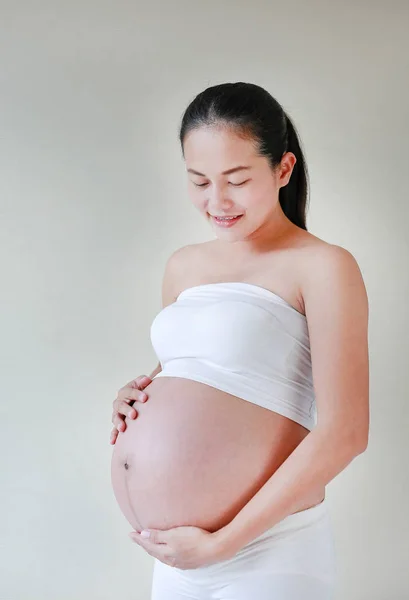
251 200
261 195
198 200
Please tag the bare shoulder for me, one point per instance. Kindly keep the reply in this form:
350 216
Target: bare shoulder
336 308
177 265
330 274
188 256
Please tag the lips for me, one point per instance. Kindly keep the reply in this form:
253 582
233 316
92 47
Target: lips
223 222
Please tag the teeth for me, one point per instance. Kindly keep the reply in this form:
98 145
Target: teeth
227 218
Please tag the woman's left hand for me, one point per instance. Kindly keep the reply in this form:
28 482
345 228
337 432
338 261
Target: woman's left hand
183 547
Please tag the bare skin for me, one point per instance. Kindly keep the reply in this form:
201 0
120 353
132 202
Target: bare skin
192 454
195 455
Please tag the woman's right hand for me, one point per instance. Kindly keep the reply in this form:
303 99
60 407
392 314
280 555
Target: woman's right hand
122 408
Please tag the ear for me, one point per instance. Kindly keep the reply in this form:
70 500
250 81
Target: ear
286 168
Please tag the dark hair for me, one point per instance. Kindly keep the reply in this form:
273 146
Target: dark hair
254 114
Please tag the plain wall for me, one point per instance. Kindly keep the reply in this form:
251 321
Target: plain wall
93 201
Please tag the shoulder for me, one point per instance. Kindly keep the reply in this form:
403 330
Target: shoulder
187 255
180 262
331 277
324 262
336 307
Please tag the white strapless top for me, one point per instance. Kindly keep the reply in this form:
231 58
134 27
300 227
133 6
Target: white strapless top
243 339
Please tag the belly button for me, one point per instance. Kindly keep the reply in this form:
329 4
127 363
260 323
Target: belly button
126 466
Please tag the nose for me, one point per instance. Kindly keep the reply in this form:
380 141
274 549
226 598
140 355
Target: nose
218 202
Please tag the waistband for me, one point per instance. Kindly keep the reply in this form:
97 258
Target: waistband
296 520
298 554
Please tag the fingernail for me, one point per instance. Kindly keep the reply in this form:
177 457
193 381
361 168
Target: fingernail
145 533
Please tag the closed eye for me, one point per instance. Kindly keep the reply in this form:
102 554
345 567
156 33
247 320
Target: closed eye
239 184
233 184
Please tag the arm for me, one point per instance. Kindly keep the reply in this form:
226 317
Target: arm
155 371
173 268
337 313
172 273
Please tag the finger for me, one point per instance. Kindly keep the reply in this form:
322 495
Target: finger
134 395
123 408
152 549
136 539
126 409
154 536
119 423
113 436
172 560
139 382
118 400
119 420
129 396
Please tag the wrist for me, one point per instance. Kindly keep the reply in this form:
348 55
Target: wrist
224 543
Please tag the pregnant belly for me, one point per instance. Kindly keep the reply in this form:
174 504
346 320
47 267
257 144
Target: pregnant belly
195 455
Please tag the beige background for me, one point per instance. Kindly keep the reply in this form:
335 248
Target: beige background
93 201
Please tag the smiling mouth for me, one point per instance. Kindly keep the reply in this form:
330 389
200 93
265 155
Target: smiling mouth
225 221
225 216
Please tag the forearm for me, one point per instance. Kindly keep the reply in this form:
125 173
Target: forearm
314 463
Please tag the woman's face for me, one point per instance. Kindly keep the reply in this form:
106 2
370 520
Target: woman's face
228 178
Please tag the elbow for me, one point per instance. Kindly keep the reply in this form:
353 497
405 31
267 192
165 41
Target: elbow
359 442
353 443
362 438
363 445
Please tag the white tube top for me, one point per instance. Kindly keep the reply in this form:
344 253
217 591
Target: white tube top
243 339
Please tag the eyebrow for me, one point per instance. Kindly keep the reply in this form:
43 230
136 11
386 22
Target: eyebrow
233 170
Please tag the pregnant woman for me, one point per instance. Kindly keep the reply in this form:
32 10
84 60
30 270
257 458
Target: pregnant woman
260 396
